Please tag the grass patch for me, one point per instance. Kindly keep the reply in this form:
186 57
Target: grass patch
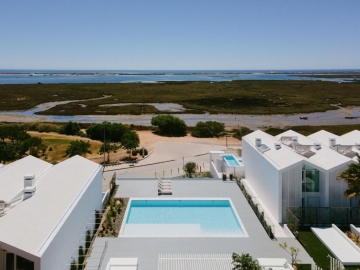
316 249
240 97
59 145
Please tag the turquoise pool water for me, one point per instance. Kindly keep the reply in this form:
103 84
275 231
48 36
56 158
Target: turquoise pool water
231 160
207 217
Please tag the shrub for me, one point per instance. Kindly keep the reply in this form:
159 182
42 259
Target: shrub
190 168
208 129
70 128
113 131
231 176
50 148
169 125
240 132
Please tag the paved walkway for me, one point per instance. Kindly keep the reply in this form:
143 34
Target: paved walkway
147 249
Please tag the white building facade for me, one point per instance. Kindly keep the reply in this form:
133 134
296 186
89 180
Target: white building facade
294 170
44 229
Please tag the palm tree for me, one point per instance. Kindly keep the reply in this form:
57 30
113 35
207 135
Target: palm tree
244 262
352 176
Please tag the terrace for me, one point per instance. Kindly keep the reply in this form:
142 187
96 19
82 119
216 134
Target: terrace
148 249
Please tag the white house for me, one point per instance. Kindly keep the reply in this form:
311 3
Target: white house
45 211
293 170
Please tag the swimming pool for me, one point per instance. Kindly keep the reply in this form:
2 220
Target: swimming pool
231 160
181 218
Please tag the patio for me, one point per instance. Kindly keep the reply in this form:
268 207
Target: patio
147 249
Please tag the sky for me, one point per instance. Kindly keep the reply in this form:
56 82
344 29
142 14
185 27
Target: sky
180 34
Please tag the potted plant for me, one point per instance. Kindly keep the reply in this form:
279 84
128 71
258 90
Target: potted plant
224 176
231 176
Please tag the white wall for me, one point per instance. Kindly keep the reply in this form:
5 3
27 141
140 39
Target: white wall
291 188
65 244
337 188
264 178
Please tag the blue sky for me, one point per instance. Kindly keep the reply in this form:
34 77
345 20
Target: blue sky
179 34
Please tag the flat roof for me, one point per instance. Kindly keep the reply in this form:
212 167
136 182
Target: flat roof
323 157
280 158
30 225
12 175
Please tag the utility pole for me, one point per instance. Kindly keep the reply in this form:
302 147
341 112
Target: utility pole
104 145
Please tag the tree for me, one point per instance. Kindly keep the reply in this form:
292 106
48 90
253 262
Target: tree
78 147
352 176
244 262
108 147
169 125
190 168
112 132
130 140
70 128
208 129
241 132
293 251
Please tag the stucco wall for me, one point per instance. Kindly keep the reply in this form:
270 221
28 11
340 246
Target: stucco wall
264 178
65 244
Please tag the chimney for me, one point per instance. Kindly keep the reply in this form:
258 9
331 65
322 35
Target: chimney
277 145
29 180
257 142
29 186
294 141
317 146
332 142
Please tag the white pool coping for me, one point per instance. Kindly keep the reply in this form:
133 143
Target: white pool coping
178 227
223 156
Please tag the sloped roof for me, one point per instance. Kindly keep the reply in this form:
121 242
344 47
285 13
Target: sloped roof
353 136
324 137
280 158
37 218
12 175
323 157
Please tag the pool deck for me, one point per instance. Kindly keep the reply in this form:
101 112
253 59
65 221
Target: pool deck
147 249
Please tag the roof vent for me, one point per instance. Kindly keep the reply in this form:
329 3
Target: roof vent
294 141
332 142
277 146
29 180
29 192
257 142
317 146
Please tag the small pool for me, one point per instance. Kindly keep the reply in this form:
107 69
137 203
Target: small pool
181 218
231 160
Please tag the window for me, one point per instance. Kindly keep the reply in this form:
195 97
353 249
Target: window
24 264
310 179
9 261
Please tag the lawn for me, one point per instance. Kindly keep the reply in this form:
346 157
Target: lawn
316 249
57 145
239 97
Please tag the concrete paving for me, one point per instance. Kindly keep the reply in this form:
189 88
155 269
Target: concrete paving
147 249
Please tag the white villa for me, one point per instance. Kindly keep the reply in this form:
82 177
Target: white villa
294 170
45 211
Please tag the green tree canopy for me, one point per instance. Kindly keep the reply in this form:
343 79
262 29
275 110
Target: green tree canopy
208 129
112 132
108 147
70 128
244 262
352 176
190 168
130 140
169 125
78 147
